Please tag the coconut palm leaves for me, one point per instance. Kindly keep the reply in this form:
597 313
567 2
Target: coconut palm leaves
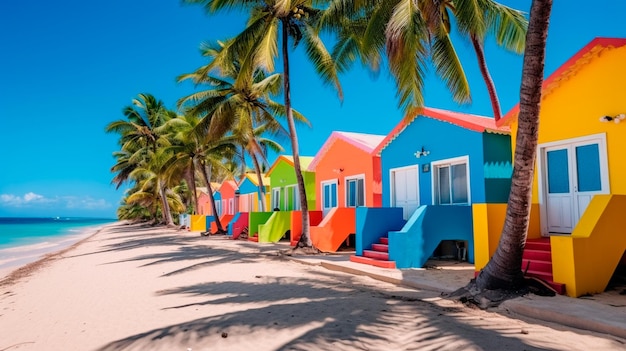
273 23
413 34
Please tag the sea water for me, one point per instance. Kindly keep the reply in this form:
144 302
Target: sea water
24 240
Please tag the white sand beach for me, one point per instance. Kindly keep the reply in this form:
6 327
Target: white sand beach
132 287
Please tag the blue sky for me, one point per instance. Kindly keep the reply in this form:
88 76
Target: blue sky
68 67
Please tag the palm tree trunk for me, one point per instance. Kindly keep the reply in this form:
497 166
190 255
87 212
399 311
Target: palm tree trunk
305 239
167 214
193 186
504 270
220 229
491 87
257 169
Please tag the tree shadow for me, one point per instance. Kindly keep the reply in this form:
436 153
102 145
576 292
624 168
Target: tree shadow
319 313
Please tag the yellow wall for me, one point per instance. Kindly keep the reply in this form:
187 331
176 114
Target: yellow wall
586 260
488 223
573 109
197 223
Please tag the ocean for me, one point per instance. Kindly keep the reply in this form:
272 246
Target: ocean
25 240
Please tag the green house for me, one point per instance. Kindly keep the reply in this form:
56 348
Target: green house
284 186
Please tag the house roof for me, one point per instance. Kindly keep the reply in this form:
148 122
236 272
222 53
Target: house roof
254 180
203 189
305 161
233 184
468 121
365 142
569 69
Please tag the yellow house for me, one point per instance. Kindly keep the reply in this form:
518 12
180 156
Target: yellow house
579 189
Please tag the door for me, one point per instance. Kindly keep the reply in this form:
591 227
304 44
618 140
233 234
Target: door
573 173
292 198
405 190
329 196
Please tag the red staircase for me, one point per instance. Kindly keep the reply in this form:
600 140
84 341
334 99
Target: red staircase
537 262
378 256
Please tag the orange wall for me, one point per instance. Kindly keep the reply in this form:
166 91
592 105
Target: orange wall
353 161
227 190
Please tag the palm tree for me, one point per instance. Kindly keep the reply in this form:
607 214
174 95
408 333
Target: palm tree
504 270
138 135
413 32
258 45
239 102
154 181
140 142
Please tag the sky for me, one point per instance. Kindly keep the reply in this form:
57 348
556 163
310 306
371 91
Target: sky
69 67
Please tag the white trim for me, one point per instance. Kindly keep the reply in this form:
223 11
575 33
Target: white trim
345 190
451 161
542 165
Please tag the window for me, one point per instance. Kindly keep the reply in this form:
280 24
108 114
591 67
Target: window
450 182
355 192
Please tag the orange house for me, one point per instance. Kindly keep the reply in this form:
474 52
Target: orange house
347 173
227 203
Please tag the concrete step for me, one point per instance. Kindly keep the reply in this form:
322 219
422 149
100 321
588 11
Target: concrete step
539 255
537 266
380 247
373 262
376 254
538 244
384 240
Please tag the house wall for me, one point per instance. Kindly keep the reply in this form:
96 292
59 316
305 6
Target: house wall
574 108
227 190
248 187
283 175
571 109
204 204
444 141
342 155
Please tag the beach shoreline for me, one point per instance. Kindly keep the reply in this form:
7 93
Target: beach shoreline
17 260
139 287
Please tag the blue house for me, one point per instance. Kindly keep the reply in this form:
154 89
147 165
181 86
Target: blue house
435 167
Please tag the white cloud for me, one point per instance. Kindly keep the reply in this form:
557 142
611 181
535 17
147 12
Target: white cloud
32 200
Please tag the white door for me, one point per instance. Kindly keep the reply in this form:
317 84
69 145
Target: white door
329 196
405 190
572 174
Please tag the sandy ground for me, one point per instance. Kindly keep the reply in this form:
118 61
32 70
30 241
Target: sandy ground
139 288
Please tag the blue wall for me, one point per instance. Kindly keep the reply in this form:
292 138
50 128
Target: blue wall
373 223
444 141
412 246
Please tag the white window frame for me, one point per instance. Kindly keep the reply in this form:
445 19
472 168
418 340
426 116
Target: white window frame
355 177
434 169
